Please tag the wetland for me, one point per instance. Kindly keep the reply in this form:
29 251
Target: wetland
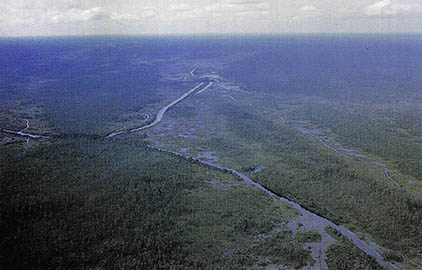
285 152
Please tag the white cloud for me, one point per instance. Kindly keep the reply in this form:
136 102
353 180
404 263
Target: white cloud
181 11
147 13
180 7
389 8
125 17
221 8
308 8
75 15
39 17
306 12
238 6
95 14
244 2
19 14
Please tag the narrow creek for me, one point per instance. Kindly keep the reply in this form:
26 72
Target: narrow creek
25 134
380 165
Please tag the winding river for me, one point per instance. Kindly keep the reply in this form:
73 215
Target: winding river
160 114
318 219
312 216
205 88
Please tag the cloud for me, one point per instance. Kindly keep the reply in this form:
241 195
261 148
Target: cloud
236 7
180 7
243 2
308 8
126 17
71 15
306 12
389 8
180 11
42 5
38 17
79 15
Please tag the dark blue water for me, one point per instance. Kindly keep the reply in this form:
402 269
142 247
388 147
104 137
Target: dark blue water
83 81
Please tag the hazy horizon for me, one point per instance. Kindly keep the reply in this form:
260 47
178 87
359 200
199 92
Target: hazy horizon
216 35
65 17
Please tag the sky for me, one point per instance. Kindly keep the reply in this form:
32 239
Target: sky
133 17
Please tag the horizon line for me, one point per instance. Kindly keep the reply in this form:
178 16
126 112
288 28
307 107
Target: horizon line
217 34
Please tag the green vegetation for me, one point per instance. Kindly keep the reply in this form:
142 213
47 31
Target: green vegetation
308 237
82 203
344 255
79 201
392 256
283 248
390 133
300 168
